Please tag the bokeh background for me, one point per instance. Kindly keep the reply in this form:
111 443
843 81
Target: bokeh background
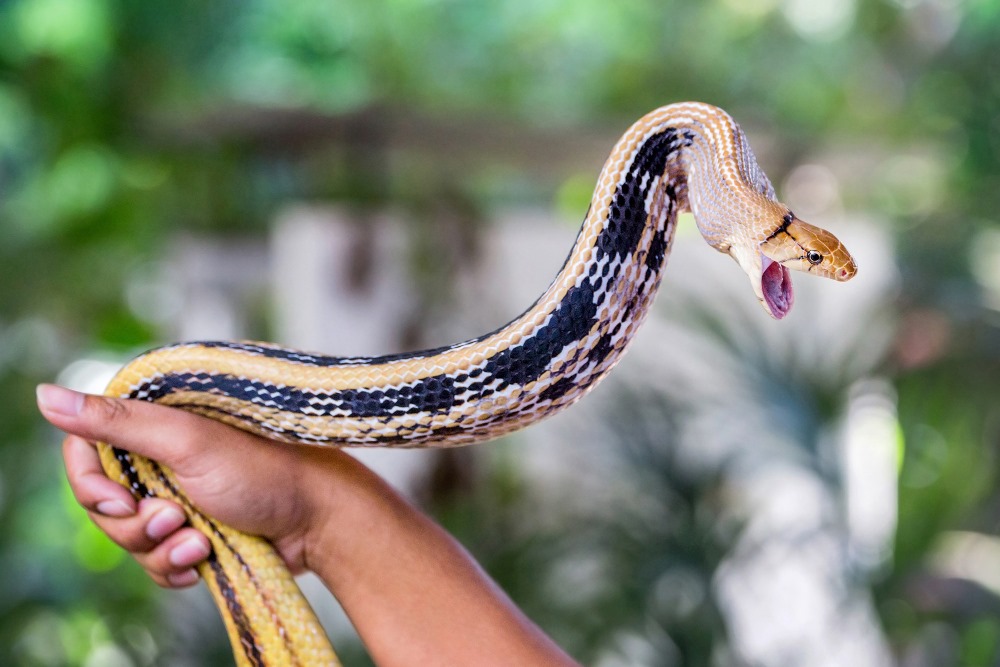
819 491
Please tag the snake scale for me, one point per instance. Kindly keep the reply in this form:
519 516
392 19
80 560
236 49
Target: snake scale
681 157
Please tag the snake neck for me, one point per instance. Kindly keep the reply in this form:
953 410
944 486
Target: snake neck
723 178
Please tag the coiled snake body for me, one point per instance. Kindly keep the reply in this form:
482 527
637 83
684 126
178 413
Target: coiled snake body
687 156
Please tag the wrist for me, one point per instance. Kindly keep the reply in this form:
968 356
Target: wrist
347 507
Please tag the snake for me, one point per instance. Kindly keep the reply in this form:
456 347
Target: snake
683 157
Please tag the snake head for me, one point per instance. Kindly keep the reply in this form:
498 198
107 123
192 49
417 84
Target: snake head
792 244
795 244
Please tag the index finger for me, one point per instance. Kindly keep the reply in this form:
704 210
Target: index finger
89 484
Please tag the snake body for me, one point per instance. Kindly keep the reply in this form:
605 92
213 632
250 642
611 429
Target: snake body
686 156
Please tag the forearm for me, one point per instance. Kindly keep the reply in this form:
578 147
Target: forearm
370 547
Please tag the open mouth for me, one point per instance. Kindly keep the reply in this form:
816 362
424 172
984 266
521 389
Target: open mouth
776 285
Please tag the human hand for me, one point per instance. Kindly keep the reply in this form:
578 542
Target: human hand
253 484
411 591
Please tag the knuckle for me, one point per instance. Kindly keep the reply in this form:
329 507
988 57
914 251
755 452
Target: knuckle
83 498
135 543
184 579
186 438
157 563
128 534
110 409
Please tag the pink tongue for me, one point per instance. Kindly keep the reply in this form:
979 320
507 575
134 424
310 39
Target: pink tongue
777 287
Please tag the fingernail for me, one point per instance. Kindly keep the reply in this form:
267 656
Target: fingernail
188 552
185 578
164 522
53 398
114 508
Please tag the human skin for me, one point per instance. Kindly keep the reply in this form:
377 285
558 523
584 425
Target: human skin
412 592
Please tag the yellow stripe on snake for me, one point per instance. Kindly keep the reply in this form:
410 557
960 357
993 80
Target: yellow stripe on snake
687 156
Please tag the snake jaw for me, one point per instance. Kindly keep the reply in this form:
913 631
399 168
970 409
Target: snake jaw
770 279
776 293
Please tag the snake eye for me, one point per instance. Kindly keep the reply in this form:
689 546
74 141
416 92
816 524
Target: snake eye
814 257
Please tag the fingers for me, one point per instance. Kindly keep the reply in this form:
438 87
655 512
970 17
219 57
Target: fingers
171 563
91 487
157 536
153 531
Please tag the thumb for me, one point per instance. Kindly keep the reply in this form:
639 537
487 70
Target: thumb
151 430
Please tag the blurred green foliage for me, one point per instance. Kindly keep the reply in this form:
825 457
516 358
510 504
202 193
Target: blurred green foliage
120 126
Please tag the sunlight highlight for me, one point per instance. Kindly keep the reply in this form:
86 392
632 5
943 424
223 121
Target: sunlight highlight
89 375
820 20
871 453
